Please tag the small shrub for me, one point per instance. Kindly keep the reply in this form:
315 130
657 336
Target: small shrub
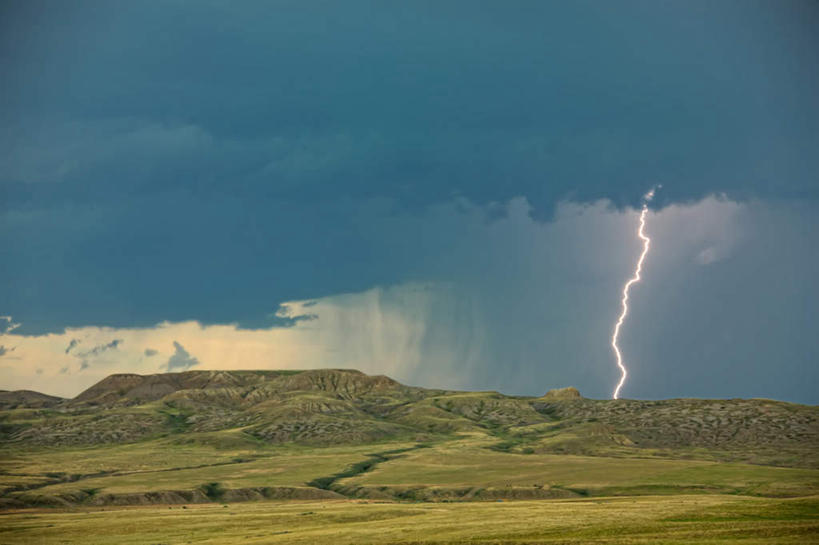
214 491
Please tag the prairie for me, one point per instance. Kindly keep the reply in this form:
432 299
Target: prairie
336 456
663 520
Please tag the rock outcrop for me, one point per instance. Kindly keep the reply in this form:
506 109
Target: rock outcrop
570 392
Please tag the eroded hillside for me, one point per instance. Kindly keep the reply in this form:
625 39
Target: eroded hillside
310 433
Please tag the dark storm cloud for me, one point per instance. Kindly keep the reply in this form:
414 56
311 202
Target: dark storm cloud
209 161
535 303
417 102
180 360
270 138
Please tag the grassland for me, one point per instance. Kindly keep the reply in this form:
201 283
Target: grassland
463 467
467 463
642 520
178 458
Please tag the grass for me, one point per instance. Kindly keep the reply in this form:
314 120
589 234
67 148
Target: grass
645 520
165 465
467 463
579 471
291 470
358 468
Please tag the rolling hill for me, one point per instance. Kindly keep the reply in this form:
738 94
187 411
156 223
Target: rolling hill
201 436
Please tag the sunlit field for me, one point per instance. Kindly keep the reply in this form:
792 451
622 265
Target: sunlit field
647 519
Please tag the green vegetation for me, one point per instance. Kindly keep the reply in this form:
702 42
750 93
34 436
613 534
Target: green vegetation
214 491
437 463
463 464
331 433
664 520
326 483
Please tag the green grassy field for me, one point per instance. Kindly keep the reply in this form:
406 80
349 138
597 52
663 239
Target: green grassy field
467 462
641 520
464 467
331 456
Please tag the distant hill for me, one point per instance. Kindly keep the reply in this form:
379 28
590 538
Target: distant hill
26 399
208 436
238 388
340 406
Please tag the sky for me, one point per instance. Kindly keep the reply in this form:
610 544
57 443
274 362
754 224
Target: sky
444 192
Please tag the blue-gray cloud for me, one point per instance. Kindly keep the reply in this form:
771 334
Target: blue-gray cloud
4 350
7 325
284 317
99 349
447 101
181 360
150 352
308 138
341 147
71 345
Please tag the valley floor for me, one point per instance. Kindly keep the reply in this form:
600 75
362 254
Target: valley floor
462 468
624 520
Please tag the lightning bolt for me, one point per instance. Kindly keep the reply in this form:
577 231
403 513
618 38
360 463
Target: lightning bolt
633 280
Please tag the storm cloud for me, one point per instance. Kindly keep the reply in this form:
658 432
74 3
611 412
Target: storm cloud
460 177
534 306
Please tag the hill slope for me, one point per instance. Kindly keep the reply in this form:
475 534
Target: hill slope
345 406
308 433
26 399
